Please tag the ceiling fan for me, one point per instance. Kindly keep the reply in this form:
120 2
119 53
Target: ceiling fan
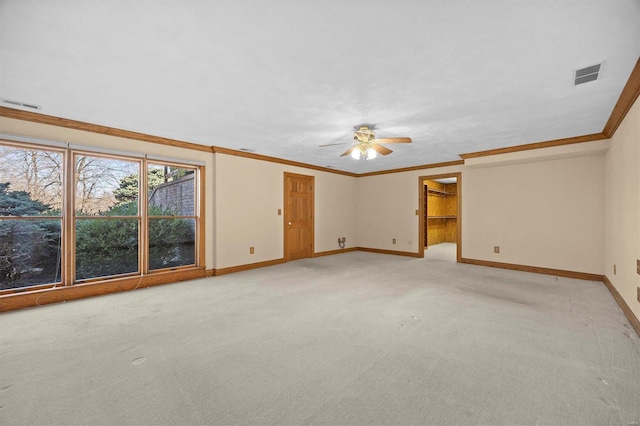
366 146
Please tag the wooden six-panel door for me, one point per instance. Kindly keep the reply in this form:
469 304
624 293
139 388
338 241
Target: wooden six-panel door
298 216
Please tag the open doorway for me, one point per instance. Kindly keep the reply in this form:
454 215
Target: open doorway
441 216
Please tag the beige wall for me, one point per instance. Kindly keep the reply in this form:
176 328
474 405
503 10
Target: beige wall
546 213
622 209
242 196
248 195
543 207
386 209
88 139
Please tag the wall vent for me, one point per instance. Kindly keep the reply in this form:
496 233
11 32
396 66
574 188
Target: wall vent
19 104
587 74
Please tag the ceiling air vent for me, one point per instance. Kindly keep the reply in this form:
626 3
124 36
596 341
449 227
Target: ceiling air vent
585 75
19 104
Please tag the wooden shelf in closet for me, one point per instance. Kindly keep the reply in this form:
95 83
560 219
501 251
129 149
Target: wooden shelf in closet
439 191
440 207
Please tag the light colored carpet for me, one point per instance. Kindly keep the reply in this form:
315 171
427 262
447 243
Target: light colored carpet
445 252
356 338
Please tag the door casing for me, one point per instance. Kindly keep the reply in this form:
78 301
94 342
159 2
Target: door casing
422 213
299 236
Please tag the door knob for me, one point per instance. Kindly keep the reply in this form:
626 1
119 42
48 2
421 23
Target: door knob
289 223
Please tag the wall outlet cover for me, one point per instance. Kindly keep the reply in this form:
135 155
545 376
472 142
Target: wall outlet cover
496 249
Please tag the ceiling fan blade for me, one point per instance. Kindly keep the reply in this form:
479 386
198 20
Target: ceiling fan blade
392 140
381 149
349 151
332 144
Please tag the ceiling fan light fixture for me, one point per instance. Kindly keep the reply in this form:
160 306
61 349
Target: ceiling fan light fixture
364 152
371 154
355 154
366 146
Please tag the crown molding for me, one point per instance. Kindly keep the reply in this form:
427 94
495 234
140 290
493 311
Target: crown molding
413 168
254 156
536 145
96 128
629 95
626 100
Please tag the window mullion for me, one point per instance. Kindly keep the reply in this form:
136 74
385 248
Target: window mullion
143 197
69 264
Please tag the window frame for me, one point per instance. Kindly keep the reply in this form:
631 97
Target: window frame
69 218
74 153
196 213
63 231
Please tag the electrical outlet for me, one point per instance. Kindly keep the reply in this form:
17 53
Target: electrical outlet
638 266
409 242
394 241
614 269
279 212
251 250
344 239
638 294
496 249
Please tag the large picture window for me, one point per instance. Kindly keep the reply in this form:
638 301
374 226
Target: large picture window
171 211
73 216
107 220
31 200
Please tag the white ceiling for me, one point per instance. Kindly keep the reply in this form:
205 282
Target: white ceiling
282 77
